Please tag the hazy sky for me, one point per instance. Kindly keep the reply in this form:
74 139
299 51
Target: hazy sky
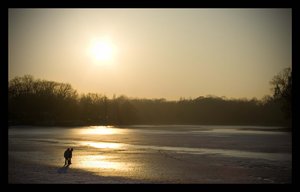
153 53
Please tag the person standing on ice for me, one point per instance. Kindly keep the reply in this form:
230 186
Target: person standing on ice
66 156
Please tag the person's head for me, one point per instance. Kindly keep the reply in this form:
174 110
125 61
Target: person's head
71 149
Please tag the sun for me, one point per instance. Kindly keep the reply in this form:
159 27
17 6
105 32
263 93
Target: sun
102 50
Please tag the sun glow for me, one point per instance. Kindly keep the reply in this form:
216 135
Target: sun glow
102 50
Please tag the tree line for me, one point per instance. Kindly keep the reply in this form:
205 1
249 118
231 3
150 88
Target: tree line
42 102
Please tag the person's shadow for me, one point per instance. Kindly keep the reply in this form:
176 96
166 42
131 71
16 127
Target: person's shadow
63 169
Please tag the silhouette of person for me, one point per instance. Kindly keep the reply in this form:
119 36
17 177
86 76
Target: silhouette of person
66 156
70 156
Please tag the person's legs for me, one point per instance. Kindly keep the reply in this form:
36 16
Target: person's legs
69 161
66 161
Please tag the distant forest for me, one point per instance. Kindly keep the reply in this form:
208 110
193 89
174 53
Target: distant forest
42 102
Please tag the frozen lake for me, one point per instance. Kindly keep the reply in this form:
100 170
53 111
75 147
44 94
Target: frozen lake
151 154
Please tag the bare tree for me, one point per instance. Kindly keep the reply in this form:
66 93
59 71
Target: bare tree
282 90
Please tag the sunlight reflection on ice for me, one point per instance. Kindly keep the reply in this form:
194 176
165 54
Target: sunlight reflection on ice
99 161
224 152
101 130
102 145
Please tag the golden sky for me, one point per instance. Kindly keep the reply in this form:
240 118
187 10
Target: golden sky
153 53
